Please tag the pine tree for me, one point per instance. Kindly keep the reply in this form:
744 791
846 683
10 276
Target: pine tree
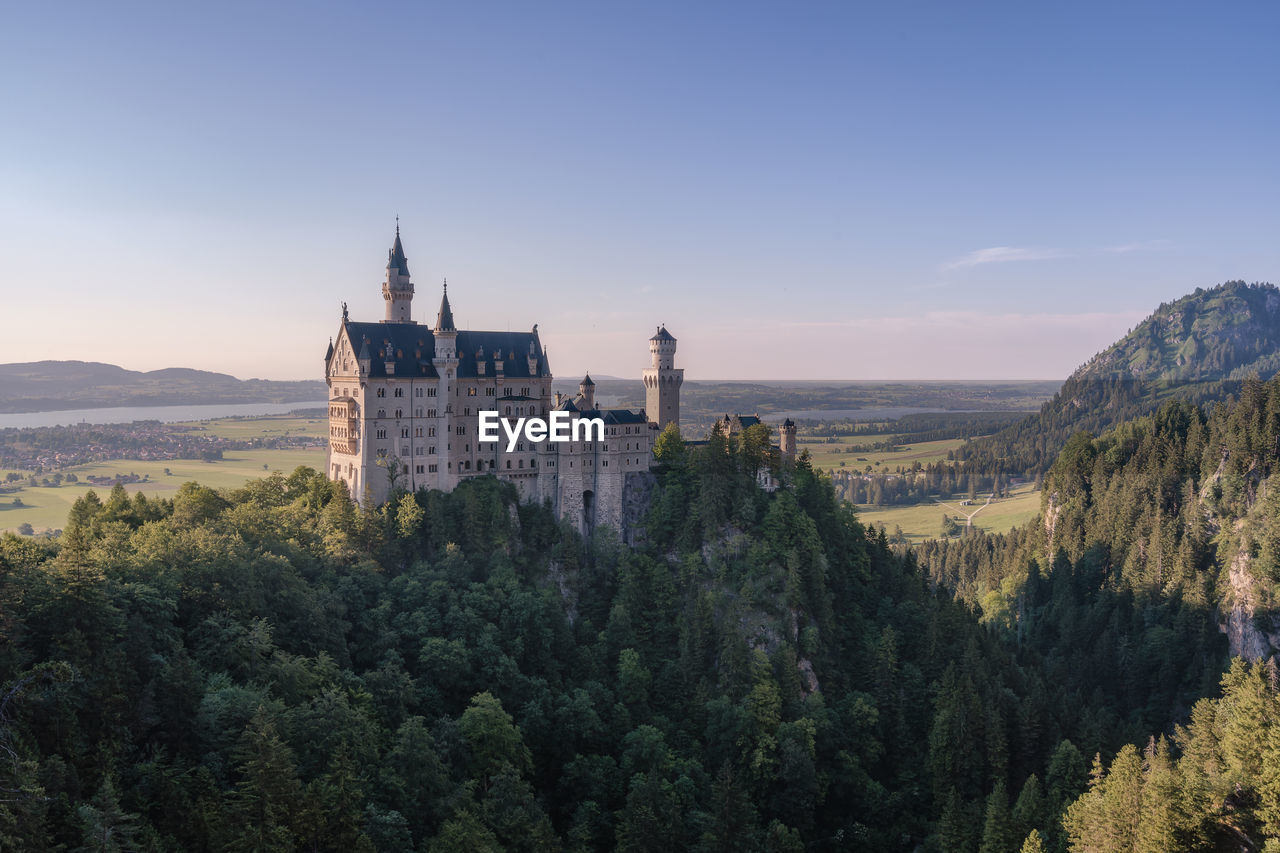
268 797
1034 843
998 834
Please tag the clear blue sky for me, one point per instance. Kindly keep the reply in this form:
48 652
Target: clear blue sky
828 190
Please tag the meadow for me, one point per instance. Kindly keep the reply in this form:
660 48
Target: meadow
834 453
924 521
46 507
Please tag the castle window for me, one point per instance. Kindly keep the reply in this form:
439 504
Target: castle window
604 464
489 392
399 412
466 411
431 413
420 469
466 465
382 392
521 463
462 430
404 432
431 432
519 445
431 392
417 392
399 392
471 392
382 413
432 450
508 463
381 433
433 468
418 413
417 432
508 410
524 392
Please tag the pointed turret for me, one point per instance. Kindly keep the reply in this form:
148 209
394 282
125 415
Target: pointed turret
587 393
397 290
444 320
395 258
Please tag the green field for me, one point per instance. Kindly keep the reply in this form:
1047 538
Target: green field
46 508
924 521
829 455
265 427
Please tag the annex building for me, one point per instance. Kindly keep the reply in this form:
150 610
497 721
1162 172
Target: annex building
405 402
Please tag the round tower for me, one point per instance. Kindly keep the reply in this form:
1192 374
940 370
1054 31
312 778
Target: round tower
397 290
787 439
662 380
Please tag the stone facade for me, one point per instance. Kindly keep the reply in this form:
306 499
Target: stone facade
405 403
662 380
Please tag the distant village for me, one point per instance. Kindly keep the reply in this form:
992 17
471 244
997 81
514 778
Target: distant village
45 450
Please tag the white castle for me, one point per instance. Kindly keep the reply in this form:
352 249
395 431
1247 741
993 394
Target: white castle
405 403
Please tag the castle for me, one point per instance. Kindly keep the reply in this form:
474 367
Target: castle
405 403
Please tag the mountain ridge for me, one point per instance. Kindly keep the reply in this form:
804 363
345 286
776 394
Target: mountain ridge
55 385
1198 348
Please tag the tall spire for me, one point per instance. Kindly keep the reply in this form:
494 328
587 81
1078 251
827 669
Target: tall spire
444 320
396 258
397 291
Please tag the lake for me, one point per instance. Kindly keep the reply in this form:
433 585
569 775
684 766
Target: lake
166 414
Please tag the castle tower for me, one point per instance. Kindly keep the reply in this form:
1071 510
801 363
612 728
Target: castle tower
787 439
446 365
662 381
587 392
397 290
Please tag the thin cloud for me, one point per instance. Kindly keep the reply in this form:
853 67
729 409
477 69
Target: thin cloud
1142 246
1004 255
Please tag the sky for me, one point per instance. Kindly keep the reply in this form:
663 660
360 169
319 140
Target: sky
839 190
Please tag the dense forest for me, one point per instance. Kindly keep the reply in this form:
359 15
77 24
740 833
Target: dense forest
275 668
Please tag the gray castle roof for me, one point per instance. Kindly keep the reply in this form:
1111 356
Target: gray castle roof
411 348
662 335
396 258
444 319
609 416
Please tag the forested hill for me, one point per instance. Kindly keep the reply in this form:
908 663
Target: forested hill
58 385
1197 349
273 668
1155 537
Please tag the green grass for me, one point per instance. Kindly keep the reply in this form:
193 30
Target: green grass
924 521
828 456
267 426
47 508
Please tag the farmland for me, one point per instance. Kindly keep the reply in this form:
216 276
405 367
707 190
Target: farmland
45 507
924 521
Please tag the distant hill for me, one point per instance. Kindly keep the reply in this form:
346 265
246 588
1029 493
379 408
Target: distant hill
56 385
1198 348
1227 332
